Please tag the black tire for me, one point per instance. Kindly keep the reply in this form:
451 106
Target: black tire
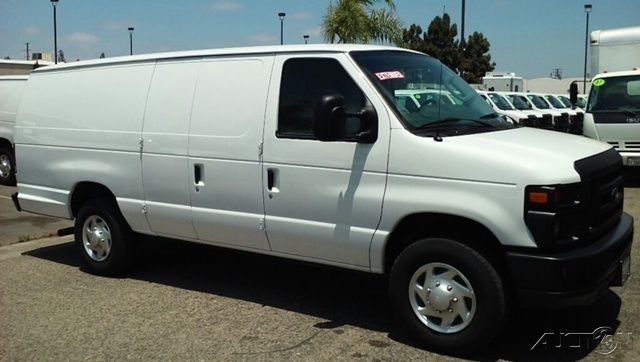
473 310
7 167
104 238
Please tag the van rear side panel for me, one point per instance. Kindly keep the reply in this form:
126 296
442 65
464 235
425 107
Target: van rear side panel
82 125
11 89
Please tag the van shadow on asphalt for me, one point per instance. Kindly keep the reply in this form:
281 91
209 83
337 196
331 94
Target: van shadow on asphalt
348 298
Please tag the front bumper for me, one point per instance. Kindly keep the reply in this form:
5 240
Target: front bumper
575 277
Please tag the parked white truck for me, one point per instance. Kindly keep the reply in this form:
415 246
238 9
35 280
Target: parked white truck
501 105
612 113
466 214
11 88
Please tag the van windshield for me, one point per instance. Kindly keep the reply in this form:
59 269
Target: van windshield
500 102
518 102
426 95
554 101
538 101
566 101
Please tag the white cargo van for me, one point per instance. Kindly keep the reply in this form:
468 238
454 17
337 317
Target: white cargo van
11 87
519 101
536 101
303 152
502 106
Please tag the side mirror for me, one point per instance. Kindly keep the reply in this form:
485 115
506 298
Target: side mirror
329 115
369 129
330 121
573 94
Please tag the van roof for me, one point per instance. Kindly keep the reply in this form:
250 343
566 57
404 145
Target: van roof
272 49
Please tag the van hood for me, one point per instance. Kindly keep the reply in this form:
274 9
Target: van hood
516 156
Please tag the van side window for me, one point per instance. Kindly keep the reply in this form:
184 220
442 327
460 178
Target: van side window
304 81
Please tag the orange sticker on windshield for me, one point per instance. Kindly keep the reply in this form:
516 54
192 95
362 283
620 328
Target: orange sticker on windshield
390 75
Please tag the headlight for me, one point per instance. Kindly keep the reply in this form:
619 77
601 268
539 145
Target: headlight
552 214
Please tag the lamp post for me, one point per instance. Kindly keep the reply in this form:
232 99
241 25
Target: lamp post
306 38
130 40
55 31
587 9
463 44
281 16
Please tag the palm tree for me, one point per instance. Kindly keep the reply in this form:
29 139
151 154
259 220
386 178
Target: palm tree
357 21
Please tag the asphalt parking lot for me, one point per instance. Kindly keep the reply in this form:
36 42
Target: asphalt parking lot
197 303
19 227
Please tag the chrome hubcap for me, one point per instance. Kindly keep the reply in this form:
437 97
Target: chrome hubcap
442 298
5 166
96 238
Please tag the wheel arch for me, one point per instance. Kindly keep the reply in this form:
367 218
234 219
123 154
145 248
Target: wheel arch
5 143
85 191
419 226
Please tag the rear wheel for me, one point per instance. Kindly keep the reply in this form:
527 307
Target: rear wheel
7 167
103 237
448 295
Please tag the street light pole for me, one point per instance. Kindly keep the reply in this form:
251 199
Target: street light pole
55 32
587 9
462 40
281 16
130 40
306 38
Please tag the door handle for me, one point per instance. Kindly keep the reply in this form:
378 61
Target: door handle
198 175
272 180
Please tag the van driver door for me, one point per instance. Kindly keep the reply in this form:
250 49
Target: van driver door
323 200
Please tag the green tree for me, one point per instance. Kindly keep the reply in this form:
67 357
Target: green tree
414 38
439 41
357 21
477 60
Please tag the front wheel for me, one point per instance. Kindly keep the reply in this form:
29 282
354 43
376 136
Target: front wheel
7 167
103 237
448 295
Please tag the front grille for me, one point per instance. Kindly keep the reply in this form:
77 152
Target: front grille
602 194
546 122
530 121
561 123
576 124
613 144
632 146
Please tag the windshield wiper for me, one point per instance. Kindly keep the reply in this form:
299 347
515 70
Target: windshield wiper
624 110
490 115
456 120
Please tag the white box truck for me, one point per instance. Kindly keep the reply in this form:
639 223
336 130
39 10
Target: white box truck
612 112
304 152
503 82
615 50
11 87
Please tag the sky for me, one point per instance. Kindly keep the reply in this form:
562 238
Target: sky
530 38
